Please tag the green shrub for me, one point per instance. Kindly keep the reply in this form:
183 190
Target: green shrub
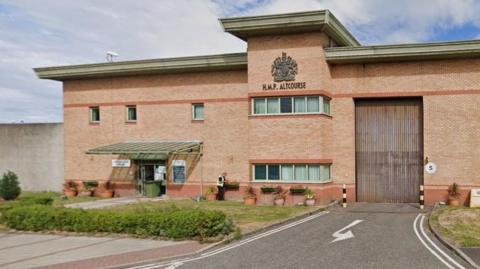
171 223
36 200
9 186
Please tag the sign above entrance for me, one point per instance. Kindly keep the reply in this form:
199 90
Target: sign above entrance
284 69
121 163
431 168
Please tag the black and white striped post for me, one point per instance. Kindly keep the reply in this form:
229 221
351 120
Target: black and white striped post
344 202
422 197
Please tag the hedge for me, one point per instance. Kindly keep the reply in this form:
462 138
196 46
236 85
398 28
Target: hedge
172 223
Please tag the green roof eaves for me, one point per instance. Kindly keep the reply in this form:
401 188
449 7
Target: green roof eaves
403 52
320 20
234 61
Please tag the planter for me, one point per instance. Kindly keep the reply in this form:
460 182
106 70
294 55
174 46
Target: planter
453 201
310 202
268 189
106 194
70 193
250 200
298 190
232 186
279 201
211 197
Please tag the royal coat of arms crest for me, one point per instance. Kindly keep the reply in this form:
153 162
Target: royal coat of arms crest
284 68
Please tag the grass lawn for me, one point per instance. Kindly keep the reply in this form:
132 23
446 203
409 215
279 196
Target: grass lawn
57 197
247 218
460 225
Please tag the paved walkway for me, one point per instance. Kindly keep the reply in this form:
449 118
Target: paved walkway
102 203
57 251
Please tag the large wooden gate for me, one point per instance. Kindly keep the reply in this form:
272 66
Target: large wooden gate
389 150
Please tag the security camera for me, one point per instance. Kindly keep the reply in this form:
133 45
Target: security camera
110 55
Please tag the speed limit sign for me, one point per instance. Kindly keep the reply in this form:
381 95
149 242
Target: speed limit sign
431 168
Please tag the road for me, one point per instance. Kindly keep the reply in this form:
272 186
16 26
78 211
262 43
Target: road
364 235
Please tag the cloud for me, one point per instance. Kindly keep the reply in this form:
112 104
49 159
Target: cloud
50 32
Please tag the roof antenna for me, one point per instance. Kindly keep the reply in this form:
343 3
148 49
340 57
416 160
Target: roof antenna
111 55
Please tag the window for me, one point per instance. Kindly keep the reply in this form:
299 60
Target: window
197 111
274 172
299 104
95 114
273 106
260 172
286 105
179 171
313 104
259 106
292 172
291 105
326 107
131 113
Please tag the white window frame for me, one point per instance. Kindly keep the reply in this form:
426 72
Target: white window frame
136 113
291 181
193 111
90 114
321 106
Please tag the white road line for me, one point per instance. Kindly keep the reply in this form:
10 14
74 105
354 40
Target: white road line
426 245
436 247
176 263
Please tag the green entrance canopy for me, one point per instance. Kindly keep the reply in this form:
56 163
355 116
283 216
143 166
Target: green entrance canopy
159 150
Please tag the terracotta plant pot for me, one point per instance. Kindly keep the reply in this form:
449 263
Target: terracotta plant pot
279 201
453 201
211 197
70 193
310 202
106 194
250 200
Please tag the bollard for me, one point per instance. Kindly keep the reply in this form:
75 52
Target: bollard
344 204
422 198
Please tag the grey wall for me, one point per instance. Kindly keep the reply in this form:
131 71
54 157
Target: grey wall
35 153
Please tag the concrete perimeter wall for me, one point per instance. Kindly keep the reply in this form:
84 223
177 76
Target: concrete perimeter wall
35 153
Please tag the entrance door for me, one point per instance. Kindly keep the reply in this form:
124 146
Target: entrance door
149 172
389 150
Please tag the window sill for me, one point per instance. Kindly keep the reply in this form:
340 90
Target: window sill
291 182
198 121
131 122
286 115
94 123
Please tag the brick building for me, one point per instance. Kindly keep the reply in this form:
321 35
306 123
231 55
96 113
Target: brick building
305 105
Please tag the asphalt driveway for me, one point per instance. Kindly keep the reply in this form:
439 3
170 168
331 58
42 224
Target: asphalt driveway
364 235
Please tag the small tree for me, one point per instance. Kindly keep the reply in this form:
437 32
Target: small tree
9 186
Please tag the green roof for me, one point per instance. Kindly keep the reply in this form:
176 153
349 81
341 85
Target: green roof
298 22
403 52
232 61
159 150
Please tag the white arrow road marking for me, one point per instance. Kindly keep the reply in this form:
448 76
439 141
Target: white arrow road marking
339 236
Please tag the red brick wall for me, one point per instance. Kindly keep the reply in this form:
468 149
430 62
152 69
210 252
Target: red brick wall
450 90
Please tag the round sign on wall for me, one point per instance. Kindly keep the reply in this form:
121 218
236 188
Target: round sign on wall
431 168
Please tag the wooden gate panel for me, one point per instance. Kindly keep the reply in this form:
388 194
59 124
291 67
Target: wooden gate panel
389 150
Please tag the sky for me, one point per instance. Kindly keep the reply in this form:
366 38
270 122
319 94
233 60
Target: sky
39 33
